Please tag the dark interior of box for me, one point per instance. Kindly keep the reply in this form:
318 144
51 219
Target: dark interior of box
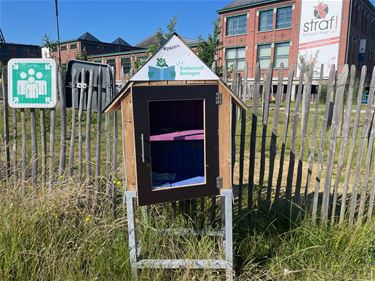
177 143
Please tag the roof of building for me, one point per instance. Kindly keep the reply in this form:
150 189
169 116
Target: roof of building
239 4
146 43
120 41
88 37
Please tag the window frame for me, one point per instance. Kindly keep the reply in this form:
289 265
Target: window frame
122 65
231 17
291 17
270 56
63 47
73 46
259 15
278 56
236 59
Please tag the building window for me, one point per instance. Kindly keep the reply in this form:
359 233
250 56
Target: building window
126 65
63 47
233 56
236 25
284 17
112 62
265 20
281 54
264 55
98 61
73 46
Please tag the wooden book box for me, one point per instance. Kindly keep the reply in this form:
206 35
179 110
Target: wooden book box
176 127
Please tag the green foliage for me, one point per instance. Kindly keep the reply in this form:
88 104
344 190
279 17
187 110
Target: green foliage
160 35
207 49
49 43
83 55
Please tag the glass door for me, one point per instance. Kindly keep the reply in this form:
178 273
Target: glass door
176 129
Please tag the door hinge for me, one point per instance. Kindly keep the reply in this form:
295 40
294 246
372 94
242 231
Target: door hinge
219 182
219 98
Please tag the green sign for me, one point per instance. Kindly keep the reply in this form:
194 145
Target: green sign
32 83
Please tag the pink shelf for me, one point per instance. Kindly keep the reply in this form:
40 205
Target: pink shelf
180 135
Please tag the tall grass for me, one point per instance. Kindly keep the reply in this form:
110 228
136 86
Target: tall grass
54 236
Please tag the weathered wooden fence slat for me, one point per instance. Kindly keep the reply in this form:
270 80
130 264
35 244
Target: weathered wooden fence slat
313 138
332 146
353 144
14 149
304 121
98 136
344 141
323 132
253 137
90 94
63 133
43 146
267 89
273 142
365 132
285 134
79 120
292 154
51 147
34 147
6 125
23 146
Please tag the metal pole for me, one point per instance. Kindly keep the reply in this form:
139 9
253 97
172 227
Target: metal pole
58 30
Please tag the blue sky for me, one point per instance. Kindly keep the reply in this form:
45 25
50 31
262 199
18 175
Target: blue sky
28 21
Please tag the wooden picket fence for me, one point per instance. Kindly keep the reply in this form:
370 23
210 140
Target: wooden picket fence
289 153
42 148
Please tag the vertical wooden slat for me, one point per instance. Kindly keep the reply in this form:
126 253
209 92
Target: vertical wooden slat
6 123
313 138
253 136
98 135
273 143
292 154
304 121
43 146
63 134
79 120
114 151
285 133
241 163
353 144
372 198
266 102
366 183
73 129
51 147
14 149
23 146
88 118
34 147
344 140
332 146
323 132
108 134
365 132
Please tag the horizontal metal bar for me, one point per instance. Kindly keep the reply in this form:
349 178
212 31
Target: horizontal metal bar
187 231
176 263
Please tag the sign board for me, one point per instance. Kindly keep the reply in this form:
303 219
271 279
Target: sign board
32 83
319 35
174 61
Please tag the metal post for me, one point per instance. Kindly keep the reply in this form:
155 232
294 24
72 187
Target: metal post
228 196
129 195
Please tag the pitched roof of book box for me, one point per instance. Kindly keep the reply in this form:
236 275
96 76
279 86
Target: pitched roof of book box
173 64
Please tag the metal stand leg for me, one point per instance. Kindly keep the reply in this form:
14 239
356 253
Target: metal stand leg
129 195
228 197
227 264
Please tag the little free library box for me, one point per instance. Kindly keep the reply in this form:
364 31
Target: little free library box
176 122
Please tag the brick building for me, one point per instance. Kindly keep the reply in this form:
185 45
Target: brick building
88 45
14 50
121 61
270 31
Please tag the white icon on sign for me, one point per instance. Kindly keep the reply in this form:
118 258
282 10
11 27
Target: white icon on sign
31 87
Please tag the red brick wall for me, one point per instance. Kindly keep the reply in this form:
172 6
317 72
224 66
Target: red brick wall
253 37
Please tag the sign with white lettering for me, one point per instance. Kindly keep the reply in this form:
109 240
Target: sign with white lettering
319 35
174 61
32 83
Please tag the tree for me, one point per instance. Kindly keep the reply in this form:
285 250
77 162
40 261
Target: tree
207 49
49 43
160 35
